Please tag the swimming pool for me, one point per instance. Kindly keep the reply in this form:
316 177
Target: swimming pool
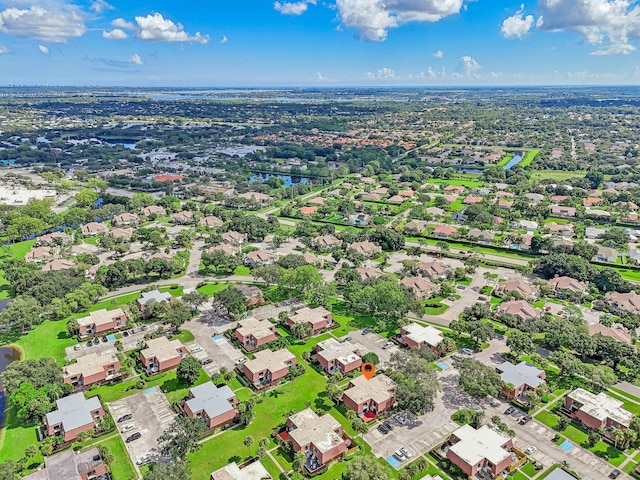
150 390
393 461
566 445
218 337
442 365
111 338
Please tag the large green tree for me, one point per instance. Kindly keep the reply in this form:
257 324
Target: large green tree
188 370
478 379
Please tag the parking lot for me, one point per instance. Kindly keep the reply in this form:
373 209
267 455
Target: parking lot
373 343
151 415
129 342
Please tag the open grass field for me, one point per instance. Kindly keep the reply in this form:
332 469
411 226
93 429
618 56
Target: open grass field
210 288
122 468
15 438
558 175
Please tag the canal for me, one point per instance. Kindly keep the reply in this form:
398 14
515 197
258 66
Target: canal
7 355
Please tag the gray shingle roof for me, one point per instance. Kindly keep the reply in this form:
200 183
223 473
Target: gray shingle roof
213 400
520 374
73 411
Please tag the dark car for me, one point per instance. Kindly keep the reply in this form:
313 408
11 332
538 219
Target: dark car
125 334
525 419
207 361
388 425
367 330
509 410
133 437
89 343
104 339
125 417
382 429
614 474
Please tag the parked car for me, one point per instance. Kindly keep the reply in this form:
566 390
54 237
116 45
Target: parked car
346 339
240 361
196 349
133 437
547 309
399 455
76 347
388 425
89 343
406 452
367 330
510 410
614 474
146 458
125 417
382 429
128 428
530 450
525 419
387 345
143 328
207 361
104 339
467 351
125 334
401 420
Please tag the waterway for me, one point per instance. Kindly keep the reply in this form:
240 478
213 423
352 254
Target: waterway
7 355
517 158
288 180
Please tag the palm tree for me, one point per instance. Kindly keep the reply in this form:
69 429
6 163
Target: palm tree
248 441
299 459
618 436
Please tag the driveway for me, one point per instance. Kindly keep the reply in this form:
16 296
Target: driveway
129 342
373 342
152 415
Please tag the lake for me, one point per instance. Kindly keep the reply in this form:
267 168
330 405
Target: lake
288 180
7 355
517 158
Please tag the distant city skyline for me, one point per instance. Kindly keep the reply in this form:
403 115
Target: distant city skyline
320 43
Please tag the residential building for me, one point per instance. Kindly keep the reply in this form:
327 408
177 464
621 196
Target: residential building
529 225
53 239
268 367
155 296
259 258
445 231
124 233
162 354
226 249
39 254
597 411
432 270
615 333
396 199
210 221
261 198
454 189
561 211
247 471
485 450
562 229
624 302
73 414
157 210
592 233
534 197
167 178
415 336
125 219
370 398
417 226
420 286
520 379
93 228
334 355
567 286
606 254
233 238
58 264
319 318
556 199
368 272
308 210
69 465
519 308
321 439
504 204
480 236
471 200
182 218
252 295
92 369
516 285
326 241
365 248
215 406
101 321
253 333
371 197
435 211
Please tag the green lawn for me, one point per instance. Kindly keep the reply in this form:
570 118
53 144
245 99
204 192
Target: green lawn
121 468
177 390
210 288
242 271
271 467
547 418
529 469
15 438
184 336
175 292
48 339
575 434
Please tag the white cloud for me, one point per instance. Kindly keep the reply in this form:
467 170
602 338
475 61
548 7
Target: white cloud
438 54
384 73
44 50
467 67
224 39
320 77
57 23
3 49
517 25
610 24
159 29
115 34
374 18
100 6
135 58
293 8
122 23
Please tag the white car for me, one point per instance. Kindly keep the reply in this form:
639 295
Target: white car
240 361
406 452
128 428
530 450
146 458
399 455
387 345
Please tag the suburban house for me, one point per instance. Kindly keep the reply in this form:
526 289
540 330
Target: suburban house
101 321
216 406
69 465
160 255
454 189
38 254
445 231
93 228
520 378
417 226
567 286
210 221
624 302
562 229
153 295
53 239
325 241
529 225
334 355
247 471
124 233
58 264
371 197
592 232
125 219
261 198
308 210
162 354
369 398
485 450
368 272
259 258
321 439
252 295
480 236
562 211
470 200
226 249
420 286
515 285
519 308
73 414
154 210
182 218
415 336
534 197
253 333
267 367
606 254
596 411
92 369
319 318
317 201
432 270
615 333
365 248
233 238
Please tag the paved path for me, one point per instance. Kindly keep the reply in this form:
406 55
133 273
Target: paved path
487 256
627 387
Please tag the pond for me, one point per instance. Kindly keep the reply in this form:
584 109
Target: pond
288 180
7 355
517 158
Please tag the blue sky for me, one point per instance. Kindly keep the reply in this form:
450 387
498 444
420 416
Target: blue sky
319 42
